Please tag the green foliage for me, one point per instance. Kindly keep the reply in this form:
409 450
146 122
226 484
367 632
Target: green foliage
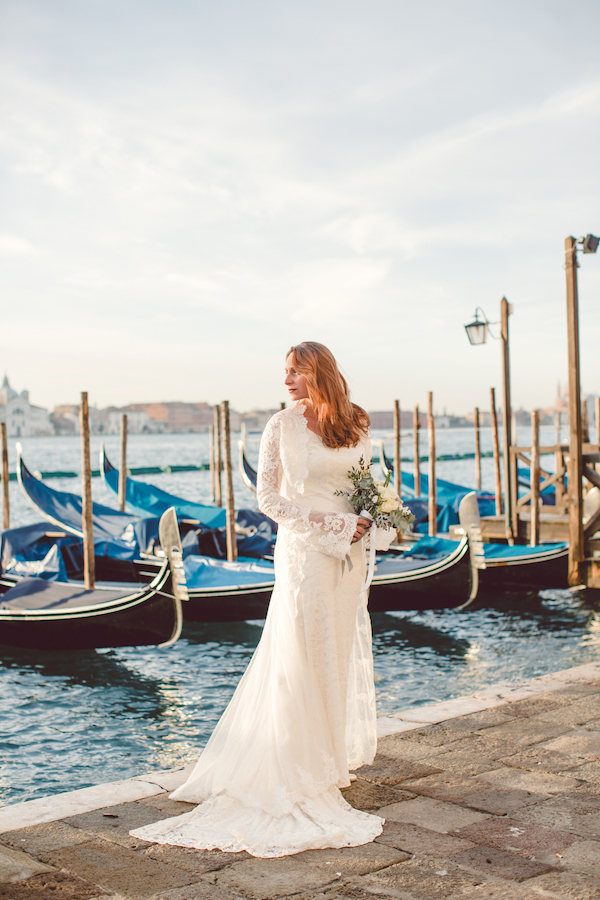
376 498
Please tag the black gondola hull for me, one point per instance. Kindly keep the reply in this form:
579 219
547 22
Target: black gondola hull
149 623
230 606
448 588
530 575
445 585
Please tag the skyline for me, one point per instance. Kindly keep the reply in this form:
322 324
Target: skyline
189 191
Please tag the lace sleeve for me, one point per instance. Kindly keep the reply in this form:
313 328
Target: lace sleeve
330 533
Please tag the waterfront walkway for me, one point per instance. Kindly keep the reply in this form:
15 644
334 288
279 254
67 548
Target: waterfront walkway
495 796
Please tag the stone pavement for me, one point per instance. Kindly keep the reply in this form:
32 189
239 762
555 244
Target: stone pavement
491 797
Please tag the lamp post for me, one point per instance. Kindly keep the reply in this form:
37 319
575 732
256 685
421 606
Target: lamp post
477 332
588 244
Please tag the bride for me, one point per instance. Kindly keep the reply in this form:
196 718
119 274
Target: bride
303 714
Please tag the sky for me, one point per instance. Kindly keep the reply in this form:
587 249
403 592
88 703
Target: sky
189 188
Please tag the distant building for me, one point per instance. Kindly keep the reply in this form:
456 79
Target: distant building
108 421
21 417
177 417
256 419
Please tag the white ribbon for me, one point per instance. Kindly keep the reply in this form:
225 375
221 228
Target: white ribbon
372 550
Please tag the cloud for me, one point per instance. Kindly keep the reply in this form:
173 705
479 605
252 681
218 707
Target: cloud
13 245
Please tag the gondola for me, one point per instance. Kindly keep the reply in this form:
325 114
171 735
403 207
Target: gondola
247 473
149 500
431 574
440 576
255 531
511 568
50 615
522 567
64 509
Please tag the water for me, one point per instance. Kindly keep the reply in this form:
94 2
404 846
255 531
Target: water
70 720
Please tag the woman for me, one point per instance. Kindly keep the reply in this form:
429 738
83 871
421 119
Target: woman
303 714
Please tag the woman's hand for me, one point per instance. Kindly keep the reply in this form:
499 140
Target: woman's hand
362 527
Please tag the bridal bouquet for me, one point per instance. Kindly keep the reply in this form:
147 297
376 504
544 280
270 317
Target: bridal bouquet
377 499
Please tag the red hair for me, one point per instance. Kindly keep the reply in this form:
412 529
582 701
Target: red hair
341 423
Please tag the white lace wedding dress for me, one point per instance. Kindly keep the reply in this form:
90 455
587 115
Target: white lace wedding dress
303 713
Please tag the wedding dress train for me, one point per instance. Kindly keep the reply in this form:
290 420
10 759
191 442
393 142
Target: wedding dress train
303 714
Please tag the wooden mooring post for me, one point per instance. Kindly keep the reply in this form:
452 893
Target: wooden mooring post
477 449
534 478
5 479
597 420
397 458
416 451
229 498
218 459
123 467
496 446
211 460
585 422
432 505
89 562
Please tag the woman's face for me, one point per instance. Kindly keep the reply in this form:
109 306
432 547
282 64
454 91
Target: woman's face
294 381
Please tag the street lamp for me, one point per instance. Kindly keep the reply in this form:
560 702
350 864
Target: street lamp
589 243
477 332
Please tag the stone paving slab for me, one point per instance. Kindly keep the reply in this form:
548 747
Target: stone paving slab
201 890
499 802
490 861
198 862
578 816
351 861
56 885
415 839
425 879
445 786
437 815
48 836
118 869
535 781
369 797
537 759
521 838
385 770
462 762
566 884
16 866
269 879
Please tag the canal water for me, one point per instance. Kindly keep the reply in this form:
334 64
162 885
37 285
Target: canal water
70 720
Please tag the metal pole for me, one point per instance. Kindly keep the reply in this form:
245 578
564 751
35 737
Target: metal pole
229 501
509 500
123 467
397 460
5 479
575 465
89 562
